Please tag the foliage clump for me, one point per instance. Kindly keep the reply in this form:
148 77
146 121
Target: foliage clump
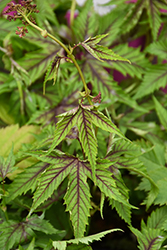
83 123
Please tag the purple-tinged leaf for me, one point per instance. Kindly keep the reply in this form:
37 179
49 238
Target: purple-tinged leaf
42 225
36 63
94 40
52 177
52 71
148 238
154 17
132 16
86 23
26 180
101 121
106 182
100 52
14 233
63 127
77 198
6 166
87 137
101 80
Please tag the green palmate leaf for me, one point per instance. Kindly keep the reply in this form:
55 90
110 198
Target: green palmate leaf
87 137
64 126
85 25
85 240
158 218
161 112
77 199
158 174
126 155
125 98
52 178
60 245
7 166
154 17
137 58
46 12
104 83
123 211
99 77
152 235
14 233
36 63
119 147
7 28
150 239
133 14
31 245
26 180
89 239
155 77
161 4
158 48
111 24
156 170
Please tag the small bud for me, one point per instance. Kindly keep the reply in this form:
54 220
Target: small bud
44 33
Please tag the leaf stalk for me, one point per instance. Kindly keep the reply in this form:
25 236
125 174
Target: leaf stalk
69 53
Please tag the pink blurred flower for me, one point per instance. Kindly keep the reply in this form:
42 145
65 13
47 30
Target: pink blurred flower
67 16
163 11
6 8
21 31
118 76
140 41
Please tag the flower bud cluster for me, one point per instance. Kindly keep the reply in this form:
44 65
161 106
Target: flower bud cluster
18 11
21 31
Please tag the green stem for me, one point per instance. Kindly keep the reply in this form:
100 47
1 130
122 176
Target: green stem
70 55
72 13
